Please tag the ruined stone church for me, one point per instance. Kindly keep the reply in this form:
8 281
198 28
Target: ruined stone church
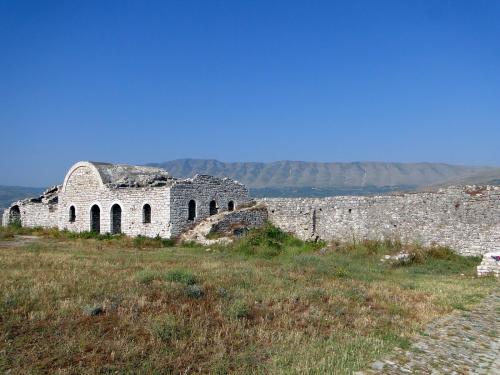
134 200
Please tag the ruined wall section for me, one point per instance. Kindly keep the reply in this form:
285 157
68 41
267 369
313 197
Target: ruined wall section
246 218
203 189
83 188
35 212
465 219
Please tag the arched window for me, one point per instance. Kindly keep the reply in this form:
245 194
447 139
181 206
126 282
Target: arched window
191 210
72 214
95 219
146 214
213 207
116 219
15 215
230 206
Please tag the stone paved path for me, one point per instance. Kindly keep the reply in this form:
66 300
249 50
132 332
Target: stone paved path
461 343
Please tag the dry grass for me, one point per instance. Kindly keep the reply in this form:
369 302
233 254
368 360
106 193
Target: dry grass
240 309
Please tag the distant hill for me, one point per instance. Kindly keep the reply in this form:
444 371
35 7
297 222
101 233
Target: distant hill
314 192
311 179
488 177
9 194
285 177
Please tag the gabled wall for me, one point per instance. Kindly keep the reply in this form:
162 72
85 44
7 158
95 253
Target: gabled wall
83 188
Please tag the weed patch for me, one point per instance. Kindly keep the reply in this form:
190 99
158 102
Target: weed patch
239 309
181 276
147 276
270 241
168 328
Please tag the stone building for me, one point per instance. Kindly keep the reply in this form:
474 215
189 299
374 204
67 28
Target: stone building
112 198
134 200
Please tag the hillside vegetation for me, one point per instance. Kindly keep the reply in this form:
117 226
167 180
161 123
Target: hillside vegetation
269 303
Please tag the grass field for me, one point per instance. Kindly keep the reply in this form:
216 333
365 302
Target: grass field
266 304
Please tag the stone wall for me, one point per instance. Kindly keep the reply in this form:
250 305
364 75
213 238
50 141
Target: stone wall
203 189
246 218
102 186
465 219
83 188
34 214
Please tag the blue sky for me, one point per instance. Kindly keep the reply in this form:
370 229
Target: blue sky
146 81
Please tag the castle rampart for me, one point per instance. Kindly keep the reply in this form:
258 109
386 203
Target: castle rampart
467 219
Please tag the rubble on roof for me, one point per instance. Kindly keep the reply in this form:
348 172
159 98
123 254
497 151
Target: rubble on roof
126 176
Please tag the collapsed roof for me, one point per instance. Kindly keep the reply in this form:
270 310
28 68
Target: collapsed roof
122 176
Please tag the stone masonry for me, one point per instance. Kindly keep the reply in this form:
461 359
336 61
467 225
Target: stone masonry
134 200
467 219
148 201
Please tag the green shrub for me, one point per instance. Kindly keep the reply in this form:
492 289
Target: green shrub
194 291
168 328
167 242
7 232
270 241
90 234
420 255
239 309
192 244
181 276
213 235
146 276
149 242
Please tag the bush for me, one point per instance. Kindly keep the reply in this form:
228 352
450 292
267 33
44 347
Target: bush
270 241
156 242
146 276
167 242
181 276
168 329
239 310
194 291
7 232
11 230
419 255
94 310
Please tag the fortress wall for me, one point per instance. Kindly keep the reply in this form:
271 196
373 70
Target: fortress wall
246 218
39 215
34 214
465 219
203 189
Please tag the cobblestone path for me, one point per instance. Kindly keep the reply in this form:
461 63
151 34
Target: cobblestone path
461 343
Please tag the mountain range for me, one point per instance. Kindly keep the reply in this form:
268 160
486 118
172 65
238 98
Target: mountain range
314 179
296 178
